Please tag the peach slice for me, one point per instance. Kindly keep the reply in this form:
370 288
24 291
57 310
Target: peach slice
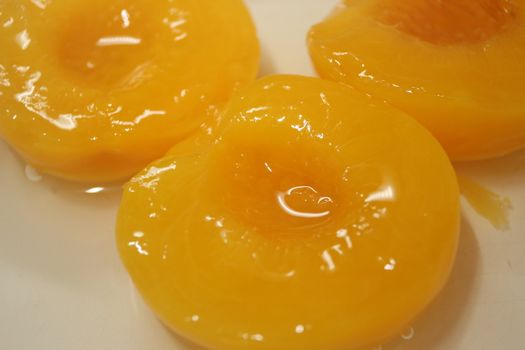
95 90
319 219
454 65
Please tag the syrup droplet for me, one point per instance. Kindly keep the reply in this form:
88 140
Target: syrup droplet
95 190
304 202
32 174
408 334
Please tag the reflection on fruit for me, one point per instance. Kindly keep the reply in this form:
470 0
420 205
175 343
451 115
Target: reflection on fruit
318 220
95 90
457 66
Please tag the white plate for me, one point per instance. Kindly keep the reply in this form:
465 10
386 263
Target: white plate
62 286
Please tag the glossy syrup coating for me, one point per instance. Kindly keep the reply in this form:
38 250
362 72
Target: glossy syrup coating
318 220
95 90
457 66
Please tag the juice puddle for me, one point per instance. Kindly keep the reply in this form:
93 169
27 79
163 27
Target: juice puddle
58 185
486 203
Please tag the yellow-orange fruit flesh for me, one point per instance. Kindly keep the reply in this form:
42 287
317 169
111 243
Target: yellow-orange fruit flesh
95 90
454 65
319 220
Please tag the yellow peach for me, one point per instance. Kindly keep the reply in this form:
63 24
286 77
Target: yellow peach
95 90
319 219
455 65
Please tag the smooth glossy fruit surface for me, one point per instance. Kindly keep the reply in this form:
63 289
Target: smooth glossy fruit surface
95 90
454 65
318 220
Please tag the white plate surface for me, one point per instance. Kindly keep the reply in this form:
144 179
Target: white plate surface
62 286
